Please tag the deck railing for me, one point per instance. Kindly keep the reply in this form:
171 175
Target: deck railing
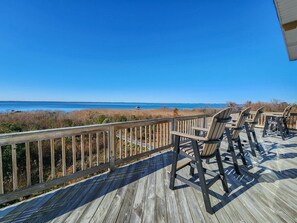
34 161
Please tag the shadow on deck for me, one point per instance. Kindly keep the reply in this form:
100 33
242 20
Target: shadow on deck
265 191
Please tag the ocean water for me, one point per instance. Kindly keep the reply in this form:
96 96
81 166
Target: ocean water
8 106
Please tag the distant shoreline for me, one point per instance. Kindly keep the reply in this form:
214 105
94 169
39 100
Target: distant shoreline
25 106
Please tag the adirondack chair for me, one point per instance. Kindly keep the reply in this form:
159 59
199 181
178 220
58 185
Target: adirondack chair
232 131
278 123
198 149
250 129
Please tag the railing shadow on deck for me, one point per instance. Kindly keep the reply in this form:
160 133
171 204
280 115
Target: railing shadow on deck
68 199
292 134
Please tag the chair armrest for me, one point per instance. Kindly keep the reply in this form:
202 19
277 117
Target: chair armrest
185 135
230 125
234 127
251 122
200 129
274 115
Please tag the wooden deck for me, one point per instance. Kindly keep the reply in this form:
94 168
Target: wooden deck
265 192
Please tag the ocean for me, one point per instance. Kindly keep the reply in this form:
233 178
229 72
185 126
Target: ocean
14 106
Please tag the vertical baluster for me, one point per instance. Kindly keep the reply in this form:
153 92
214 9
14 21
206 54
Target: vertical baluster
184 126
40 161
97 148
63 157
164 134
104 147
158 136
120 142
204 122
52 145
82 151
1 172
131 133
150 137
28 164
112 147
140 137
73 154
14 168
135 140
109 143
172 128
126 143
90 150
154 137
145 138
167 133
161 140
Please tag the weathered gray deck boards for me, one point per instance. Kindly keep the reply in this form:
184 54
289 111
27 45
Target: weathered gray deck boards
265 192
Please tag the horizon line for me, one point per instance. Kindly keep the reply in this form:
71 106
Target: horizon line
115 102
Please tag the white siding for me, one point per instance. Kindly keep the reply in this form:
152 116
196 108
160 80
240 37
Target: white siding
287 13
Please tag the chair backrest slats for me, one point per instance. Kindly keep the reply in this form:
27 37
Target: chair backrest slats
287 111
256 117
215 131
240 122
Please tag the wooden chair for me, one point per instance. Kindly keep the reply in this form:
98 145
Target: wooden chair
201 148
278 123
232 131
250 129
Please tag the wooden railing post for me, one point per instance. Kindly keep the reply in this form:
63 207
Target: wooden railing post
1 173
173 121
204 121
112 147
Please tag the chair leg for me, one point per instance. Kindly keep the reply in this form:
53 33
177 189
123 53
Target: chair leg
222 172
256 140
286 126
202 178
265 127
174 162
280 128
231 150
191 171
248 132
241 151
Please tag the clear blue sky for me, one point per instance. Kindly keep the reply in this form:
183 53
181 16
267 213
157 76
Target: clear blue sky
146 51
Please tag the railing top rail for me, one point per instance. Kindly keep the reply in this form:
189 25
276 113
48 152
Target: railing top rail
29 136
21 137
191 116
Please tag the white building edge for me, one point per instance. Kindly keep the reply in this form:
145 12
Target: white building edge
287 15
